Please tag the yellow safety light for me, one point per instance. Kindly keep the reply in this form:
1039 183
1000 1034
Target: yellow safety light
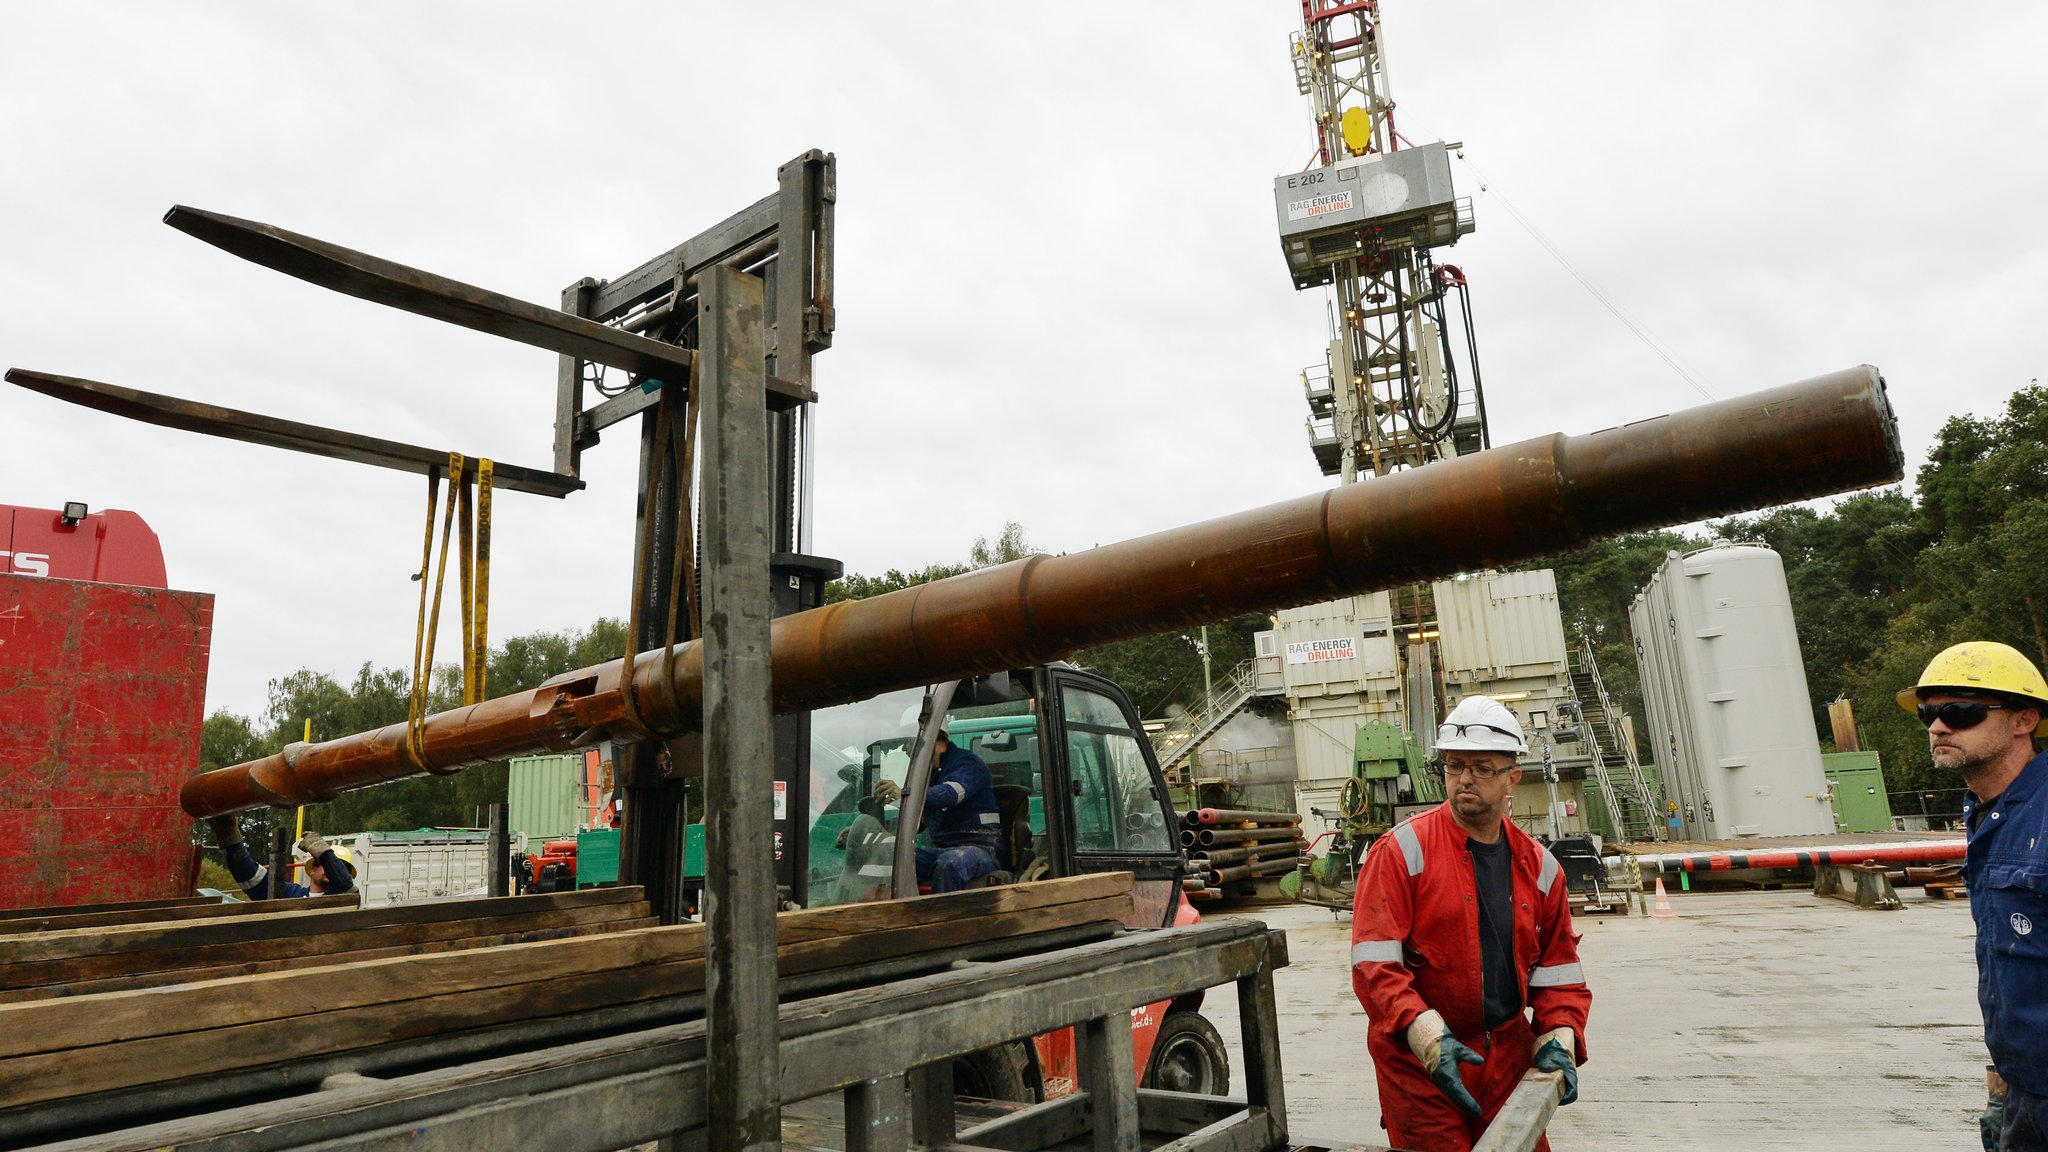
1357 128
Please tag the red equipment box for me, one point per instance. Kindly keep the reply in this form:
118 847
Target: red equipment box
102 696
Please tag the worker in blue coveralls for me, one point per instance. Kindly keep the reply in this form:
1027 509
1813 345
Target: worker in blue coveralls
1985 708
960 815
328 872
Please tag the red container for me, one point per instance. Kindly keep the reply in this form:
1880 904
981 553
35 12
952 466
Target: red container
102 694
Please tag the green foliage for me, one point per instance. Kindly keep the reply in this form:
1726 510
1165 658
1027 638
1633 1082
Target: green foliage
376 697
1879 583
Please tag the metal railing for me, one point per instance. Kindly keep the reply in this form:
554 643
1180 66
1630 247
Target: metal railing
1185 732
1637 783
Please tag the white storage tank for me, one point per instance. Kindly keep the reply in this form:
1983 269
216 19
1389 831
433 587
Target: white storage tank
1724 690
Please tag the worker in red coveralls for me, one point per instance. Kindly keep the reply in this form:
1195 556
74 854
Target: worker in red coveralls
1461 929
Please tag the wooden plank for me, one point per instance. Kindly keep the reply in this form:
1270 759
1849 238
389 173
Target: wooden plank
60 920
193 1097
99 966
1253 1130
162 977
609 1083
126 1017
113 906
1179 1113
271 1016
1108 1073
1519 1125
877 1119
290 919
1038 1126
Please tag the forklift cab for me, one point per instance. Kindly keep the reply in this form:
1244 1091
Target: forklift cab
1077 786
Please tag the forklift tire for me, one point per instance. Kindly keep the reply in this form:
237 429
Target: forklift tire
1004 1072
1188 1056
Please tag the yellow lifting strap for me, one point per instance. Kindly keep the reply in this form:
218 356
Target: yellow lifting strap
473 585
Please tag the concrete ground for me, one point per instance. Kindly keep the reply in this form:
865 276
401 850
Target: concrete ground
1755 1020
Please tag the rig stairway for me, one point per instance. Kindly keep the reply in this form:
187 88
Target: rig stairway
1631 803
1176 742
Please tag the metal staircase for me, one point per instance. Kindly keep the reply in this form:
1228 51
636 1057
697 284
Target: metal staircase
1631 804
1186 732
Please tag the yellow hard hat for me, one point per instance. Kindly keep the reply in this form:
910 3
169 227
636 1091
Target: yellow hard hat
1982 666
346 857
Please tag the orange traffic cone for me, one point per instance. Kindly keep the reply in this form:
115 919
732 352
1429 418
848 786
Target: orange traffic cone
1661 910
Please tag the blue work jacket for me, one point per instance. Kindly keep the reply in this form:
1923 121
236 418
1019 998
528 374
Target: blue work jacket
960 806
2007 875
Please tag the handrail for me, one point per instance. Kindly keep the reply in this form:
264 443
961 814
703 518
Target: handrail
1179 739
1639 782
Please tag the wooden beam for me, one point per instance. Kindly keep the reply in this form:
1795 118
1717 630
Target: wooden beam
609 1092
291 918
60 919
74 1046
127 962
156 978
1520 1123
31 913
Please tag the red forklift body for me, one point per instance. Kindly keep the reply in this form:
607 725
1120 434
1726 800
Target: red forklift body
111 547
102 696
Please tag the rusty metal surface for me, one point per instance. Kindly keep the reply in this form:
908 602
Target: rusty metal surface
102 694
254 428
1506 506
437 297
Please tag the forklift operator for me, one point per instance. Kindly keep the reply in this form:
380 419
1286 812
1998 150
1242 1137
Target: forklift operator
960 815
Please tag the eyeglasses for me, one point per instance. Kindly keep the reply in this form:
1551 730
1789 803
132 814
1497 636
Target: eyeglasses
1455 731
1476 771
1957 714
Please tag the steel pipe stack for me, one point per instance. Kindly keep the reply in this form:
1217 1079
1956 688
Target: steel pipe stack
1226 845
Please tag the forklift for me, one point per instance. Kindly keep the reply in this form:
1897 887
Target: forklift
1079 790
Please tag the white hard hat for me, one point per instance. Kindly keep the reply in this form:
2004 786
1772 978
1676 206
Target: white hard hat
1481 724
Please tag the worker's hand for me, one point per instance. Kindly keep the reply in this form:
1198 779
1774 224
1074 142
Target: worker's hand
226 832
312 845
888 791
1553 1053
1441 1053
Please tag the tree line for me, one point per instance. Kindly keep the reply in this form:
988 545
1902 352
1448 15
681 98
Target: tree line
1879 583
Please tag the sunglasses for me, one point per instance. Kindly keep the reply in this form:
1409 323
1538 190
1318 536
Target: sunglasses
1454 731
1957 714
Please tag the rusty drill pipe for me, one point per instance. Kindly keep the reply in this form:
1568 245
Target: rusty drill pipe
1506 506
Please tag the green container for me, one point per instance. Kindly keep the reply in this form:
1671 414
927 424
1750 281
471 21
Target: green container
541 797
597 857
1861 804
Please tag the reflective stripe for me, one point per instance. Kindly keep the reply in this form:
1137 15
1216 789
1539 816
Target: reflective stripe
959 793
1376 952
874 869
1547 874
1411 847
262 874
991 817
1554 975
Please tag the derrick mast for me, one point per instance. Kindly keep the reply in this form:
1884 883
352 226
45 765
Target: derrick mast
1363 219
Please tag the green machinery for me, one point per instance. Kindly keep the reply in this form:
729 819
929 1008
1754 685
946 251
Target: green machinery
1389 776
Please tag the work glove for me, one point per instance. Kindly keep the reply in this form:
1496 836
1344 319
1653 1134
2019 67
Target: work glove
888 791
1553 1053
226 832
1441 1053
312 845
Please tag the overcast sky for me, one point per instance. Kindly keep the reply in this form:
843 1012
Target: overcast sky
1060 293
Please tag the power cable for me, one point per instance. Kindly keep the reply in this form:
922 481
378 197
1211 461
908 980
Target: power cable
1486 184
